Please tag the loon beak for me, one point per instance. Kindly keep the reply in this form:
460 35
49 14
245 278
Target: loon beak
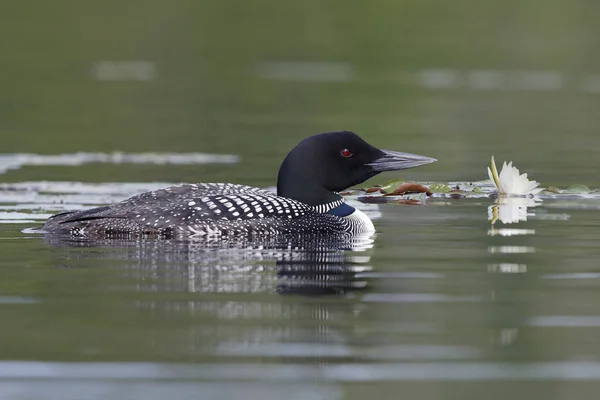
395 160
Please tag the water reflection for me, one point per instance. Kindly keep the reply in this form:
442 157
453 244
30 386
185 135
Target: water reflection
512 209
212 299
305 265
507 268
510 231
187 316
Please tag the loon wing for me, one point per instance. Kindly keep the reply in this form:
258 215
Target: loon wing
193 210
207 189
185 208
161 199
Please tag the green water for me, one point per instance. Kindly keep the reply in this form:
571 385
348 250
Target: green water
440 307
207 96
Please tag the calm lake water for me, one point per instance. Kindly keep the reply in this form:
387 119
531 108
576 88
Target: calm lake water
103 100
440 305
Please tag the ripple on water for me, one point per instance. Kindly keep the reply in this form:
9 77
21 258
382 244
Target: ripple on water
344 372
396 352
418 298
581 275
565 321
19 160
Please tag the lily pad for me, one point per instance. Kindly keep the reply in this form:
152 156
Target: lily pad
372 189
440 188
553 189
577 189
409 187
390 186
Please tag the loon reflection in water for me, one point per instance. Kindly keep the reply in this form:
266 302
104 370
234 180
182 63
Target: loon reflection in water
308 264
307 199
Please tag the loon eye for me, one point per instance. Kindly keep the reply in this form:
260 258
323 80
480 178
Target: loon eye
346 153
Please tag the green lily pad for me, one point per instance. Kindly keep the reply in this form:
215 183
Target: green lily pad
440 188
573 189
577 189
553 189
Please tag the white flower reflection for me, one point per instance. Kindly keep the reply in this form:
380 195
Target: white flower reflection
511 181
511 210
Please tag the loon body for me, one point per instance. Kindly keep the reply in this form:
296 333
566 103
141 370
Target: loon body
306 200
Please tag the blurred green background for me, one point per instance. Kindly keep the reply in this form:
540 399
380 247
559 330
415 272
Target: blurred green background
455 80
458 81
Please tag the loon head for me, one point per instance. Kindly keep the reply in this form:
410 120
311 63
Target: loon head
326 163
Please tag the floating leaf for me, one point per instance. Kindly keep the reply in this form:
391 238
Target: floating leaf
553 189
390 186
573 189
477 190
372 189
409 198
577 189
409 187
439 188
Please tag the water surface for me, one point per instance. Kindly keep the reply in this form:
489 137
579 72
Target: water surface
103 100
440 301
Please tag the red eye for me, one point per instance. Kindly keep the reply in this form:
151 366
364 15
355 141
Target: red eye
346 153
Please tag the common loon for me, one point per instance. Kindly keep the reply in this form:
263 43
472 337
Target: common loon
306 201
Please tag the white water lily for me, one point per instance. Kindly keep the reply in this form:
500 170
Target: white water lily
511 181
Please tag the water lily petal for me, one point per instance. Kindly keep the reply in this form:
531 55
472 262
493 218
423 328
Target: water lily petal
510 181
531 185
508 176
536 191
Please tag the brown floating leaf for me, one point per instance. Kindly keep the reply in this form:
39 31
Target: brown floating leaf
391 185
408 187
372 189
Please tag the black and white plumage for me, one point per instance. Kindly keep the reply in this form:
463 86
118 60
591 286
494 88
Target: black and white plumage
306 199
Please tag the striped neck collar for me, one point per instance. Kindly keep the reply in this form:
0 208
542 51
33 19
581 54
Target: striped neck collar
337 207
